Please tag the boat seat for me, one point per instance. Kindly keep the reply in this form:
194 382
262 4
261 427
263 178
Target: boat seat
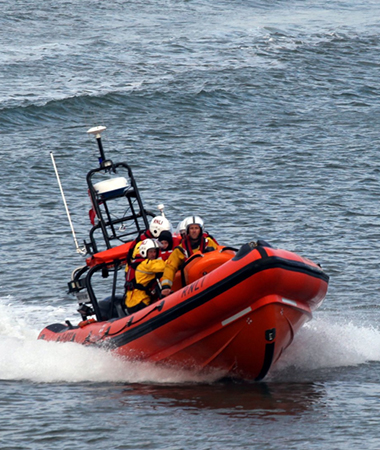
112 309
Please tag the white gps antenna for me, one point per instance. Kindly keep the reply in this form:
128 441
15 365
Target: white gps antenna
96 131
161 208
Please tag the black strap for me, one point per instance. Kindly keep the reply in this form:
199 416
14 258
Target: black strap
149 287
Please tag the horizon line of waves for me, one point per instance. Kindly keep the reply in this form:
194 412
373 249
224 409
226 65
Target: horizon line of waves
52 110
87 105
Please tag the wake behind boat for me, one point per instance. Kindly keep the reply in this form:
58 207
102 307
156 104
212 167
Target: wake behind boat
234 311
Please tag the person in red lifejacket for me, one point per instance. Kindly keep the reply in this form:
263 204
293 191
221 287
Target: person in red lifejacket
143 273
157 225
167 243
196 240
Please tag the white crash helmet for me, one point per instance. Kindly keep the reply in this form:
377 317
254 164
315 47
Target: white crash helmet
146 245
193 220
158 224
181 227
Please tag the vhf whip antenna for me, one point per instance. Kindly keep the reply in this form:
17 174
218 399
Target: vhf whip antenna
82 251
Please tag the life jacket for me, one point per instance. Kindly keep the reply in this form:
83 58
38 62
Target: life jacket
164 254
130 274
151 289
186 244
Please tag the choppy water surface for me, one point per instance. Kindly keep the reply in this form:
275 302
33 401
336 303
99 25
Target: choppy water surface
262 117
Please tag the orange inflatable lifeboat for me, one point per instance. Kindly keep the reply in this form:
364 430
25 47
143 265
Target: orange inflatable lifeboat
232 311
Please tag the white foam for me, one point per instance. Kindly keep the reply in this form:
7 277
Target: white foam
22 356
329 343
322 343
41 361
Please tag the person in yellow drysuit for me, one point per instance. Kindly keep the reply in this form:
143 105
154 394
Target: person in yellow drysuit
147 269
194 241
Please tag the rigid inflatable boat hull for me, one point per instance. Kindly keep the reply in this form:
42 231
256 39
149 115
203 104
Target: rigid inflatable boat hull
237 319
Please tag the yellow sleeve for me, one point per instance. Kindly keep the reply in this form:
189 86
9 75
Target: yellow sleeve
173 263
150 267
211 243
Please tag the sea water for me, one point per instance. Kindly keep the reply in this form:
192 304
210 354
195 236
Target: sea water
263 118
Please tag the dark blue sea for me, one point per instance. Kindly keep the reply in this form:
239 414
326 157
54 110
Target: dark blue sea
261 116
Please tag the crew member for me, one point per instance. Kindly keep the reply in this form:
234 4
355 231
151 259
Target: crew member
167 242
157 225
195 241
181 229
142 287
